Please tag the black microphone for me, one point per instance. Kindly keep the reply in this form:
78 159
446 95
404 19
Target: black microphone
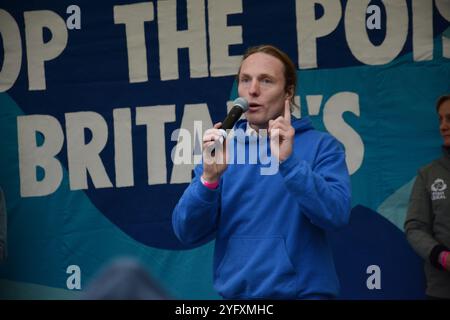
240 105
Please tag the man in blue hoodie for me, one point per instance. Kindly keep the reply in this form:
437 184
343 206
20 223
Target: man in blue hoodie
270 230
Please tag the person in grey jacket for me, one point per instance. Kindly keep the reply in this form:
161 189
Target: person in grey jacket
427 223
2 226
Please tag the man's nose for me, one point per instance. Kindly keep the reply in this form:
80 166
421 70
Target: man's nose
254 88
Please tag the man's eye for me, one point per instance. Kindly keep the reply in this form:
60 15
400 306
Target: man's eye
266 80
245 80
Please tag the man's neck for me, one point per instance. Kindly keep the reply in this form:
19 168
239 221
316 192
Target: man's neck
258 127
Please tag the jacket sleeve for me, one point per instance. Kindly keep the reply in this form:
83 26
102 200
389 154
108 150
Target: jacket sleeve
322 190
196 214
419 223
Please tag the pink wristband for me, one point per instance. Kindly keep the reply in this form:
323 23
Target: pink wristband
210 185
444 257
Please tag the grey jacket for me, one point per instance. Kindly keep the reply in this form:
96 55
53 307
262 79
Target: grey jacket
427 223
3 225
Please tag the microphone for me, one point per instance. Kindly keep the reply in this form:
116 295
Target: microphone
240 105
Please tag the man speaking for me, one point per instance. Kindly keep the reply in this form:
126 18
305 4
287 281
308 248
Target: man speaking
269 229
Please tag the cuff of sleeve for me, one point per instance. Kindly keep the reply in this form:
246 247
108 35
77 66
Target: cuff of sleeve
288 165
206 194
434 256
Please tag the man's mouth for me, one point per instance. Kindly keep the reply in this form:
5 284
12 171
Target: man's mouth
254 106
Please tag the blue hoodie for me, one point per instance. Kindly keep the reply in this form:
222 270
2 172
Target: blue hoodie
270 229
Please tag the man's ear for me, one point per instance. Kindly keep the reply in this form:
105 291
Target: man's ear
289 92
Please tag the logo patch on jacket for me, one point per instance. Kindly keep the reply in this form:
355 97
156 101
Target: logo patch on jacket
437 189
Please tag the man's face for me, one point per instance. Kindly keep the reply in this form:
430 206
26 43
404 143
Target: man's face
262 83
444 122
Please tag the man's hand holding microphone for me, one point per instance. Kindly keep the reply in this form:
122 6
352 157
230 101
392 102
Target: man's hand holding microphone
215 146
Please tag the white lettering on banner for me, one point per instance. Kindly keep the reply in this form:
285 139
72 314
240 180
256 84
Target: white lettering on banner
423 25
123 148
297 111
39 51
221 36
396 31
134 16
154 118
309 29
85 157
170 39
193 113
12 58
334 109
443 7
314 102
35 154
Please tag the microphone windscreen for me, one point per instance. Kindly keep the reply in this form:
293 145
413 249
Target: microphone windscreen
240 105
241 102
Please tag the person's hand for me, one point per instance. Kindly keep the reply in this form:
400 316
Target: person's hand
281 134
214 154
